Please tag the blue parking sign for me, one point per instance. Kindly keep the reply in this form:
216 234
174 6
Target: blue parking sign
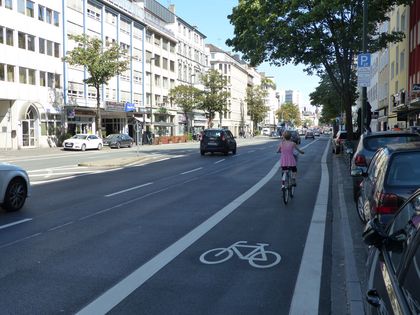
363 60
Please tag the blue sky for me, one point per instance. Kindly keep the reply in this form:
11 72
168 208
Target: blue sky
210 17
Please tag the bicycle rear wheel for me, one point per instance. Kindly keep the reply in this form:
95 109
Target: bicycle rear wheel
286 188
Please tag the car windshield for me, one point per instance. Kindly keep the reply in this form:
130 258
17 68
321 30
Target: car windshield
405 170
212 133
374 143
112 136
79 137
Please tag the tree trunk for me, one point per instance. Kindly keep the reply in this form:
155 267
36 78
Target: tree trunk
98 119
349 118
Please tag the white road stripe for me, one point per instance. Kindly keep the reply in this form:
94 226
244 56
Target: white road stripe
219 161
194 170
308 285
121 290
128 189
60 226
14 223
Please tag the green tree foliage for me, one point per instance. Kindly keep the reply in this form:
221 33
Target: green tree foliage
325 36
186 97
289 112
255 100
215 95
327 97
102 64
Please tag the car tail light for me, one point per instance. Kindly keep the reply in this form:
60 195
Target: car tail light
387 203
360 160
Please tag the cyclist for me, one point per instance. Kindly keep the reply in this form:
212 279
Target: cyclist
287 158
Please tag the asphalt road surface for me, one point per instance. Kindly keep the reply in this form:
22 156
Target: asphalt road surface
139 239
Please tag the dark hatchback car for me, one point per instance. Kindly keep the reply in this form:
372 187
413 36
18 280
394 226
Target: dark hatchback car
368 144
393 265
217 140
118 140
295 136
392 176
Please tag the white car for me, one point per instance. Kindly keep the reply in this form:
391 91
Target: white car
14 187
83 142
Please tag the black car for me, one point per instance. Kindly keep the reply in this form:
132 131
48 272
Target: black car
368 144
295 136
393 175
393 274
217 140
118 140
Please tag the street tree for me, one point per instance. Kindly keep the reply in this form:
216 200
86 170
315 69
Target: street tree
324 36
326 97
289 112
215 95
186 97
255 100
101 62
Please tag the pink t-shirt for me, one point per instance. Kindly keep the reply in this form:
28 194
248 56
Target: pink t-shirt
287 158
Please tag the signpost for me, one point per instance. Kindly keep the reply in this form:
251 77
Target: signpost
363 70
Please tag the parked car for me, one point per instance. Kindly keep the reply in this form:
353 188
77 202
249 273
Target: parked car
83 142
393 275
14 187
317 133
309 134
338 141
295 136
368 144
392 176
118 140
217 140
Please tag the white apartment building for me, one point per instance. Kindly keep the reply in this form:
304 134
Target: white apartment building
192 63
238 78
273 104
372 89
31 72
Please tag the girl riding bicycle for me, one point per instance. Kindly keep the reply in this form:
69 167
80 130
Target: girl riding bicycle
287 158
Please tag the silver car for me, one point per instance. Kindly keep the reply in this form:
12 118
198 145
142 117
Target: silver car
14 187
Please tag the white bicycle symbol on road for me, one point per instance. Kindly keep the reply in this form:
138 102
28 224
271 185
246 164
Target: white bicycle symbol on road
258 257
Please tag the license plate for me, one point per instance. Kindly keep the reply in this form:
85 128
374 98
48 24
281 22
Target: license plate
69 144
212 143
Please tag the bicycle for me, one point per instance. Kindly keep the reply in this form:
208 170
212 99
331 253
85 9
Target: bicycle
258 257
288 187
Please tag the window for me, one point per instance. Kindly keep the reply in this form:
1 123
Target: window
31 42
2 74
1 34
8 4
31 76
110 18
41 46
21 6
57 84
56 18
94 12
48 16
10 73
57 50
157 60
402 60
42 81
29 8
397 53
9 37
49 48
41 13
22 75
172 65
157 80
21 40
165 63
50 80
392 70
165 83
157 40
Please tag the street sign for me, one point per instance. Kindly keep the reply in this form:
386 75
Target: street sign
363 60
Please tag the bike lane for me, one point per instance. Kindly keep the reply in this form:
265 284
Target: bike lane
235 286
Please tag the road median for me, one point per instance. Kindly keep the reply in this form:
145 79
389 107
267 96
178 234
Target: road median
117 162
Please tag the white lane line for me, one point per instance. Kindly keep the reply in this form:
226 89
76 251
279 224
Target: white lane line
21 240
60 226
108 300
128 189
14 223
194 170
308 284
217 162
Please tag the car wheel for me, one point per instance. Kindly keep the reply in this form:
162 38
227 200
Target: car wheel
118 145
337 150
16 194
360 208
202 152
130 144
226 152
234 151
99 146
83 148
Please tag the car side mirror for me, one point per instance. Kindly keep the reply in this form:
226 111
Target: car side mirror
358 172
374 233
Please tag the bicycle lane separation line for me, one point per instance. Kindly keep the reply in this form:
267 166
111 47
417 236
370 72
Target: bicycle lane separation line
308 283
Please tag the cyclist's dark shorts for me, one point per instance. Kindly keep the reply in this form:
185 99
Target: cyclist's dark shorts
292 168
